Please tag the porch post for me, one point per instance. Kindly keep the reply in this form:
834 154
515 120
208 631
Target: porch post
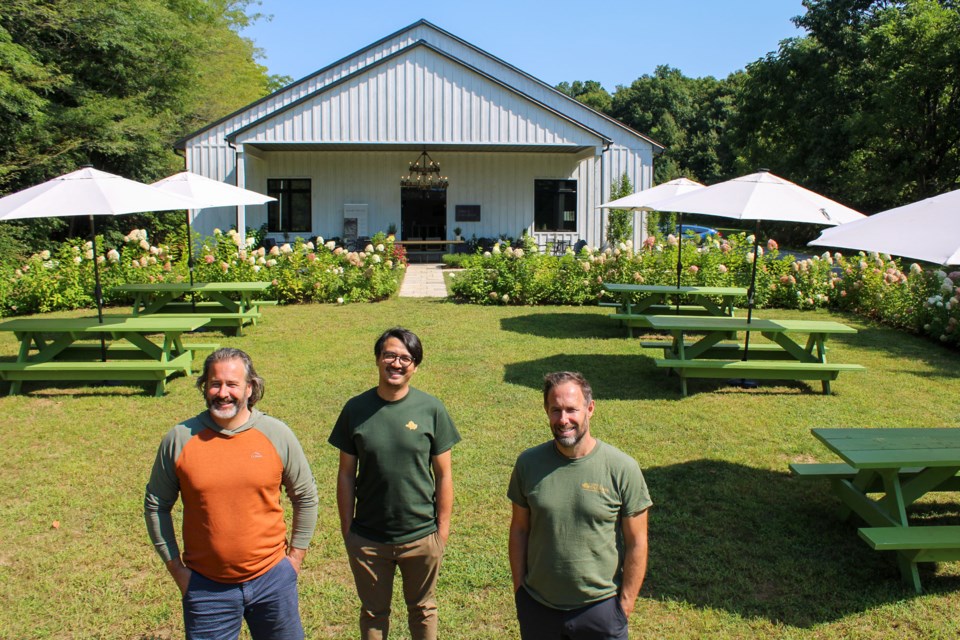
241 161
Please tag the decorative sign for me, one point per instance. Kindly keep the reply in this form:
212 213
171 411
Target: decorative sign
467 213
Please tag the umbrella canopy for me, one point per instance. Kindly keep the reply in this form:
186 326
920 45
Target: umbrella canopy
89 192
760 196
211 193
925 230
641 199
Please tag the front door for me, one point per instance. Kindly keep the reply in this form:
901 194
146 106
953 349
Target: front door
423 214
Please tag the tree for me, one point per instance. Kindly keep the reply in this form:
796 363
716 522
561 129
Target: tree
114 84
687 115
620 221
865 108
589 93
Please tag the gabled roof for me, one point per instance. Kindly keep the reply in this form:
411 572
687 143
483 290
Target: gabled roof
574 104
398 56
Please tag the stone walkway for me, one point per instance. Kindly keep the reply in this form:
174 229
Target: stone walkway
423 281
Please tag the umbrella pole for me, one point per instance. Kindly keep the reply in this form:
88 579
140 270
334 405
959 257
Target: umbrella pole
679 256
97 290
751 292
193 303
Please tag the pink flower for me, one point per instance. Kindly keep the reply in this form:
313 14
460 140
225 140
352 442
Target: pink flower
772 245
722 268
208 259
649 242
694 268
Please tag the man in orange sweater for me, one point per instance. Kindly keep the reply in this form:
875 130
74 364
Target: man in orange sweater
227 465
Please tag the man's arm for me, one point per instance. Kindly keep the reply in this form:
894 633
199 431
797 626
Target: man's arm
519 538
181 574
443 476
635 559
346 491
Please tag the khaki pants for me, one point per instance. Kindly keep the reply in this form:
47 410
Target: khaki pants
374 565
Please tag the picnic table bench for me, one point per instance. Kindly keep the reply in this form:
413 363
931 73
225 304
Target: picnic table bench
786 359
898 466
219 305
59 349
639 301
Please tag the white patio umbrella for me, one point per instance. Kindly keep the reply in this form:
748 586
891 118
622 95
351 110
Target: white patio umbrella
926 230
641 199
89 192
210 193
760 196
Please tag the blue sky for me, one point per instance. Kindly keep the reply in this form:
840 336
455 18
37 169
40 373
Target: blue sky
611 41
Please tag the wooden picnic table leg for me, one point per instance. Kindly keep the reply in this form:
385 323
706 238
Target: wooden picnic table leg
908 569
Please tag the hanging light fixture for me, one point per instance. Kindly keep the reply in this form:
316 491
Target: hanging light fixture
424 175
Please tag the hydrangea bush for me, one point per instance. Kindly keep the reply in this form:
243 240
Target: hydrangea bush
871 285
64 278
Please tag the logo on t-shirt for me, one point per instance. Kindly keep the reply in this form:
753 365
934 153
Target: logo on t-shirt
256 455
593 486
411 425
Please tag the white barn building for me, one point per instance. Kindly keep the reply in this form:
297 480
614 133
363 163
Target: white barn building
518 155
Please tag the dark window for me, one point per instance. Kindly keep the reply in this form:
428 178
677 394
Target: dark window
555 205
291 211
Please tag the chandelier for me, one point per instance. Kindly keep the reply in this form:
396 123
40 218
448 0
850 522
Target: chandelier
424 175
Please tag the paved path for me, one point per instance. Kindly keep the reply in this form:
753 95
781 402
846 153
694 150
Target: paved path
423 281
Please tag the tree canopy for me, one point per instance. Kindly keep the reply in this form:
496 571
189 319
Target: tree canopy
114 83
864 108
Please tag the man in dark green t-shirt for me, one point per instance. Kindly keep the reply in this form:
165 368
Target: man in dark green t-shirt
578 535
395 489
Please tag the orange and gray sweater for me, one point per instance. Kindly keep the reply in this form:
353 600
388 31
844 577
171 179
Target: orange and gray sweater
229 483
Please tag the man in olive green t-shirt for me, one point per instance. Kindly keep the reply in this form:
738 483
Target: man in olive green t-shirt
578 535
395 489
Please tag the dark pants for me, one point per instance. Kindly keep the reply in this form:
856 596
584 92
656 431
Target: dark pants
214 610
604 620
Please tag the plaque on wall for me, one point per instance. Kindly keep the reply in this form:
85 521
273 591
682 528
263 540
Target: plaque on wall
467 213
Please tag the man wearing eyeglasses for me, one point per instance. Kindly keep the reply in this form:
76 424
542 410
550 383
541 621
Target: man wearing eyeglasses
395 489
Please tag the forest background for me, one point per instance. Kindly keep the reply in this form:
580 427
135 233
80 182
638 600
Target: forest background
864 108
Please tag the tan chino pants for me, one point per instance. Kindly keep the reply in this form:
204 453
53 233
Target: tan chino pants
374 565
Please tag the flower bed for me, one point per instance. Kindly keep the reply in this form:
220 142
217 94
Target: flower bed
872 285
64 279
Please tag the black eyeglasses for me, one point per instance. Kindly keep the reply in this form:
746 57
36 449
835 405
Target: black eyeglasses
390 358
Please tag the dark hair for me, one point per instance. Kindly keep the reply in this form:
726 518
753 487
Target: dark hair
229 353
551 380
407 337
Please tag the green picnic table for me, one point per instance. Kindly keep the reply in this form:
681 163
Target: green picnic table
883 472
69 349
707 356
226 304
638 301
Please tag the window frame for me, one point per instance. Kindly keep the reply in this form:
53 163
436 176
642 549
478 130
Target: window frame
279 210
563 190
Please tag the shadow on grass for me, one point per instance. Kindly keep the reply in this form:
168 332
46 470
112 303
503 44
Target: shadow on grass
761 544
627 377
636 377
564 325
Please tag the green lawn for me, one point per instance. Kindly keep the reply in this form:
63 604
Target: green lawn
737 547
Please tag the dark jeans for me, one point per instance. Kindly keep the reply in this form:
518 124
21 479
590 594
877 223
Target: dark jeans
604 620
214 610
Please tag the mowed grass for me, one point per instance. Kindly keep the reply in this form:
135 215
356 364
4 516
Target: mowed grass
737 547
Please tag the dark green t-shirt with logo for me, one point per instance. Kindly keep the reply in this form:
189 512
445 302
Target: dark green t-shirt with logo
575 547
394 443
